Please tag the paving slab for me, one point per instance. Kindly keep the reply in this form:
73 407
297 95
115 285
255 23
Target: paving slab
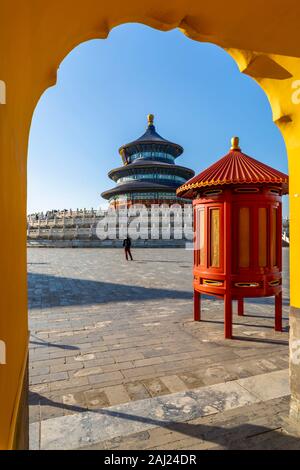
268 386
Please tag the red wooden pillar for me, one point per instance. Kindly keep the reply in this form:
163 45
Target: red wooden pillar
240 307
228 316
278 311
197 306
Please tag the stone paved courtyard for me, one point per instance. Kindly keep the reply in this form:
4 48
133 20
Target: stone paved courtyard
107 333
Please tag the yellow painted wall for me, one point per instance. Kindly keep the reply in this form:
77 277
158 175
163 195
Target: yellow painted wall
36 35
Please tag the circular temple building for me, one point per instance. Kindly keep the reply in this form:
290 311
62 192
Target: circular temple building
149 174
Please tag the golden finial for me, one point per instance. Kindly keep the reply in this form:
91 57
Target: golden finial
235 143
150 119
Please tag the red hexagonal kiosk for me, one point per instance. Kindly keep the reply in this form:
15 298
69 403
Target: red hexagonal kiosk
237 226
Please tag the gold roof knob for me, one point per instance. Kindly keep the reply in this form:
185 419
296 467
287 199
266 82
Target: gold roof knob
150 119
235 143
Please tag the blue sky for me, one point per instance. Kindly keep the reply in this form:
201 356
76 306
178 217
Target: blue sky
106 88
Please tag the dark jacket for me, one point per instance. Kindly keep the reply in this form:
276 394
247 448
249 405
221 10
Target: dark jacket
127 243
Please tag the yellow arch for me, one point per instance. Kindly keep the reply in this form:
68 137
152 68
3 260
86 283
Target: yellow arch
34 39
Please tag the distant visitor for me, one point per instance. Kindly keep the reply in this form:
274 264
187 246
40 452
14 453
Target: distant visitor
127 247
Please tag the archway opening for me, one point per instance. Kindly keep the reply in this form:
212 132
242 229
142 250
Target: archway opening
77 342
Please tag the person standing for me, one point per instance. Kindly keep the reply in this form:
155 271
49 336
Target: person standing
127 246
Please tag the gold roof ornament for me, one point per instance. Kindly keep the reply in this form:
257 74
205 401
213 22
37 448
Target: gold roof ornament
150 119
235 143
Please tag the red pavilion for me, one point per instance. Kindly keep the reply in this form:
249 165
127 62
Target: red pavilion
237 224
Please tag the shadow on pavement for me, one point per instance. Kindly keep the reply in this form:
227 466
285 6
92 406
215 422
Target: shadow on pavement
55 291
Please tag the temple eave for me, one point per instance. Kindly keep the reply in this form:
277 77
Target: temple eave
141 187
138 147
145 166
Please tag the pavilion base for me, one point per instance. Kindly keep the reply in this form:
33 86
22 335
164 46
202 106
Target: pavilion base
228 312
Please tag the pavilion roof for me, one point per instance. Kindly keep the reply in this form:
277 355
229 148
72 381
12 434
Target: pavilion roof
234 168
